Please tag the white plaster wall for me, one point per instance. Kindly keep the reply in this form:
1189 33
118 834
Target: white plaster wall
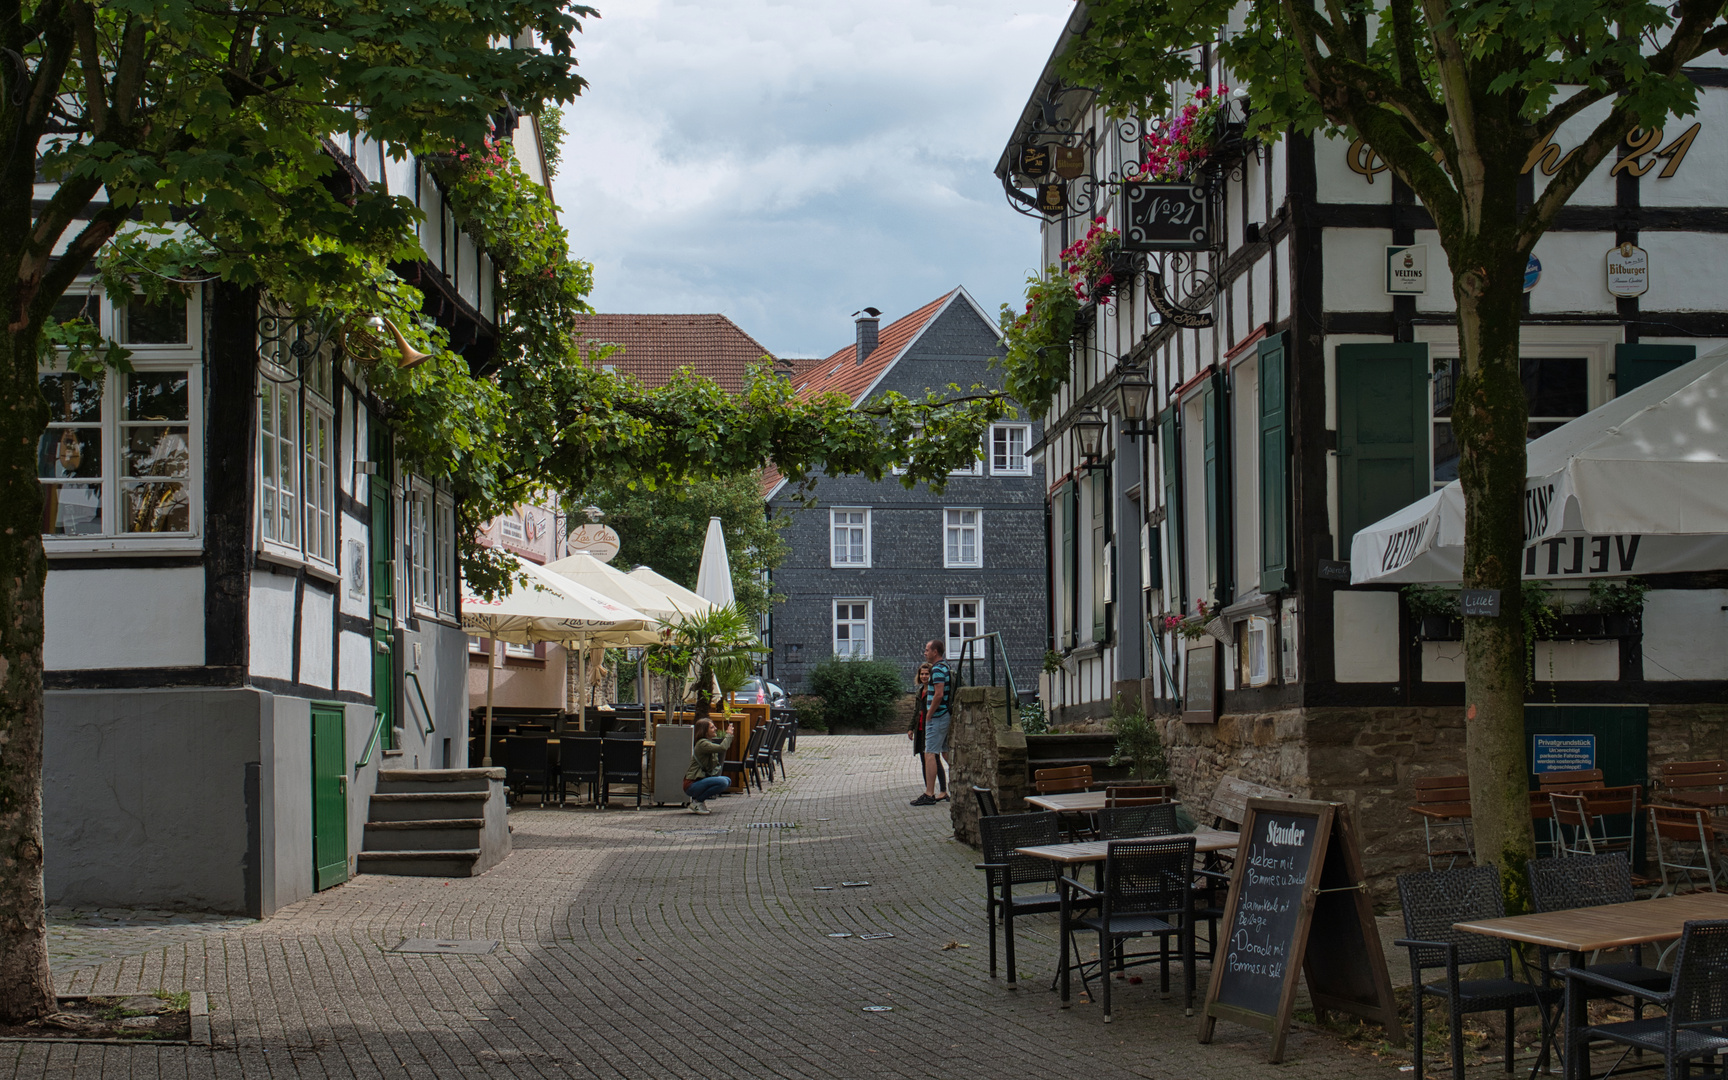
1698 180
1336 183
1576 661
271 619
1574 272
290 735
1365 637
356 663
1679 279
1439 295
1685 634
1598 189
1354 265
317 612
123 618
1443 661
1260 290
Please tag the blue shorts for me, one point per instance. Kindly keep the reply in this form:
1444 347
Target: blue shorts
936 734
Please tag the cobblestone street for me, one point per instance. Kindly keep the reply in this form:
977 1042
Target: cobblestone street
661 944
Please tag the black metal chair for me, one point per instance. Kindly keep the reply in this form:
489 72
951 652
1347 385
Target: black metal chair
622 764
986 801
579 763
528 764
775 752
1147 891
1435 899
1132 822
1565 883
1696 1001
1003 870
747 769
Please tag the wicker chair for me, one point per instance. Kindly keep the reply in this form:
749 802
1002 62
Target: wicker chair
1696 1002
1432 901
1003 870
1147 891
1566 883
1132 822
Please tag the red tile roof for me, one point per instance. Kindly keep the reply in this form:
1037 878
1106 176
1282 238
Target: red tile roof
656 346
842 373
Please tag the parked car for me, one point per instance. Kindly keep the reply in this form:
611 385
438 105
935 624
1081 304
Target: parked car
757 691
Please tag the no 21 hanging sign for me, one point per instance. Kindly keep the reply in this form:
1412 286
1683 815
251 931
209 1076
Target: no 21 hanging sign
1628 270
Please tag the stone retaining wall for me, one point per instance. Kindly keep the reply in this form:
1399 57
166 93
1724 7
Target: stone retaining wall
984 752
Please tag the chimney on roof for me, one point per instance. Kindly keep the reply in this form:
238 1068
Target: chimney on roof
867 324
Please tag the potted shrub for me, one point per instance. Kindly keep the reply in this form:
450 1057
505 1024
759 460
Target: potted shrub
1435 611
1621 605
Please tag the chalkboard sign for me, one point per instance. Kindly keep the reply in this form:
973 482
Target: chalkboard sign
1483 602
1200 699
1298 877
1166 217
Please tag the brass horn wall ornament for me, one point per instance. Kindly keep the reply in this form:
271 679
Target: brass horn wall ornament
362 344
411 356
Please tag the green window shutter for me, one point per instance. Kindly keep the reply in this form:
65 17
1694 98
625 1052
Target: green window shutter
1635 365
1169 441
1216 456
1274 469
1067 503
1100 580
1383 433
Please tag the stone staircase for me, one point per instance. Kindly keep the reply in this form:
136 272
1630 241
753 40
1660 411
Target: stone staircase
1060 751
436 823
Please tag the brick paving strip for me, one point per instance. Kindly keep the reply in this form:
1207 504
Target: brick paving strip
661 944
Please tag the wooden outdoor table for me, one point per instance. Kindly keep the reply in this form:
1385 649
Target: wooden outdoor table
1206 840
1578 931
1069 802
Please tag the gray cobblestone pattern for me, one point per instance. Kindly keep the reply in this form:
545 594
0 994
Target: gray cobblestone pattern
906 580
80 938
658 944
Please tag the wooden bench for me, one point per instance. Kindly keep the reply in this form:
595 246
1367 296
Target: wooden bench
1229 803
1443 803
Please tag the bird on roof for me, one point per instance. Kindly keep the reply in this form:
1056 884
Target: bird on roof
870 311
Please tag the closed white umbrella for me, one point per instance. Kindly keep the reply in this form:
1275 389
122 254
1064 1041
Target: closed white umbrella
714 573
546 607
1637 486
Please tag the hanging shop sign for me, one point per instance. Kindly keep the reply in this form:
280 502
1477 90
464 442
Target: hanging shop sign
600 541
1532 273
1628 270
1643 150
1034 160
1053 198
1407 269
1166 217
1070 162
1170 312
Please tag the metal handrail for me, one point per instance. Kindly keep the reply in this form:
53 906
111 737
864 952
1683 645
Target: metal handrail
996 646
425 710
372 744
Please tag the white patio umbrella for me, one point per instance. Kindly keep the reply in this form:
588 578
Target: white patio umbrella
610 581
714 573
547 607
687 601
1637 486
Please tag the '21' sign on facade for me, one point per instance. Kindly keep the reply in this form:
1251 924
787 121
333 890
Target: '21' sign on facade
1166 217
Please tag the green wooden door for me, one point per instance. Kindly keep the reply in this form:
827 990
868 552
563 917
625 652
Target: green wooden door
329 796
383 592
1383 433
1622 744
1635 365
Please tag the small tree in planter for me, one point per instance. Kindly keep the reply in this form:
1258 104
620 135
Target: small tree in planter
1138 740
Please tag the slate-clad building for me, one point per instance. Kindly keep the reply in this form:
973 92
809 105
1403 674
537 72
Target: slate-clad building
1300 389
876 569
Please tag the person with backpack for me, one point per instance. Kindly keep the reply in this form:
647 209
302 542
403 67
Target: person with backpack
937 720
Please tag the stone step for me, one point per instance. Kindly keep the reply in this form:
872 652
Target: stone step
1079 745
435 834
424 806
428 781
458 862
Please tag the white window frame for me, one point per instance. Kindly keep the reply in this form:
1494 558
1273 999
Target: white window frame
307 389
977 468
834 525
1025 466
114 326
421 575
949 619
444 545
852 623
113 538
952 525
318 471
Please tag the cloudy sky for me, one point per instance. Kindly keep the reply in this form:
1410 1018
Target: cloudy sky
786 163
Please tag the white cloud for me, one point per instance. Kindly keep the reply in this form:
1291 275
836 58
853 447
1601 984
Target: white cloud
787 163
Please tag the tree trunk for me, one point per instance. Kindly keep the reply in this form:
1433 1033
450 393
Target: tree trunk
26 990
1489 416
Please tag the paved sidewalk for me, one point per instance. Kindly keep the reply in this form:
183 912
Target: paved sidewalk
662 944
85 937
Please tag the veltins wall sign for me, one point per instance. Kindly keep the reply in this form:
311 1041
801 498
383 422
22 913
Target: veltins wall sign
1628 270
1407 269
1166 217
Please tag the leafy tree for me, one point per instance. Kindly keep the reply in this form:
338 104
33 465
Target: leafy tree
1457 97
665 528
213 118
